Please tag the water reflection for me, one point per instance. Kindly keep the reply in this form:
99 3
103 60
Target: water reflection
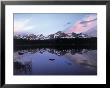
55 61
56 51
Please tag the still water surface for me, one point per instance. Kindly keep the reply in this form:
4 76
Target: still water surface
48 61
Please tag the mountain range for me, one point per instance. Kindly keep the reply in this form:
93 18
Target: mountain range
58 34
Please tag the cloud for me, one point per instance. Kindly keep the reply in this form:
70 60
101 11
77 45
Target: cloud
22 25
85 24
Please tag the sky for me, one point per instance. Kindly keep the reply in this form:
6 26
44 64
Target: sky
49 23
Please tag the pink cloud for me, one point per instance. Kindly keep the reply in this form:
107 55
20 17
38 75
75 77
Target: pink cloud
88 23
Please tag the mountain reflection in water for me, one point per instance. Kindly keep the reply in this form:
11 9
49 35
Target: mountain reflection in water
51 61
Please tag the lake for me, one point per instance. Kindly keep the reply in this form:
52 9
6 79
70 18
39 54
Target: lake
55 61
